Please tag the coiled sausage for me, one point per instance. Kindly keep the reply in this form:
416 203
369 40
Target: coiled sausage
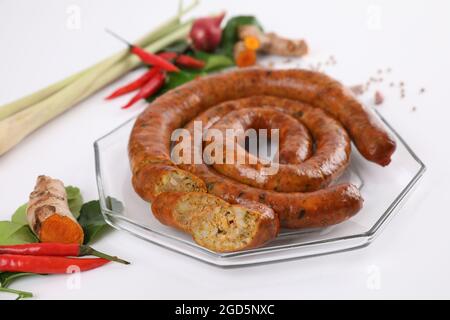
150 140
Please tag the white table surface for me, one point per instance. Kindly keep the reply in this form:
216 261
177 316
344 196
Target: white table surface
411 258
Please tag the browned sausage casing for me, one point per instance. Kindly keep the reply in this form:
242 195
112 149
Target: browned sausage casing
150 139
296 210
180 105
329 160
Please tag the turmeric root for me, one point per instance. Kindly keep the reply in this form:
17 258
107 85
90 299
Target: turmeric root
48 213
244 56
272 43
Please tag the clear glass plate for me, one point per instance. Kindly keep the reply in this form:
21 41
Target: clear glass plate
383 189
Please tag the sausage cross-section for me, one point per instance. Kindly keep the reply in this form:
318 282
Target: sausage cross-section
214 223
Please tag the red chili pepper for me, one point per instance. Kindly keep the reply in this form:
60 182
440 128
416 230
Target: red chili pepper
136 84
183 60
147 57
189 62
153 59
56 249
168 55
150 88
47 265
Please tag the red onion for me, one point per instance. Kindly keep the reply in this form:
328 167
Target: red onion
206 33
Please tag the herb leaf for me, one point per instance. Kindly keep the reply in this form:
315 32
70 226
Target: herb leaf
20 215
13 233
214 62
92 221
180 78
75 200
175 80
230 32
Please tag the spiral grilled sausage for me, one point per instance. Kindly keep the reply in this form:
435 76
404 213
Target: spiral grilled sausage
296 210
329 161
300 94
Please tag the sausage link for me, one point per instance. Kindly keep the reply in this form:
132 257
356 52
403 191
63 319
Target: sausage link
331 157
295 209
174 109
289 91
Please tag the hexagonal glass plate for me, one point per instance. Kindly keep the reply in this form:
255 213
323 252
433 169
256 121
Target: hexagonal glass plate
384 189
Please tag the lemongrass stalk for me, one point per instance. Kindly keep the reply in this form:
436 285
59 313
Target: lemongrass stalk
164 29
16 127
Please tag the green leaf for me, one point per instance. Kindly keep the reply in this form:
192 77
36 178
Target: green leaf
180 78
92 221
13 233
214 62
75 200
230 32
20 215
177 79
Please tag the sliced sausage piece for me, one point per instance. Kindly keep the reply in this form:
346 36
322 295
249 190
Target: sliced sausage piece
296 210
216 224
154 179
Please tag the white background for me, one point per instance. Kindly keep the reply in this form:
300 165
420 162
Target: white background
411 258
